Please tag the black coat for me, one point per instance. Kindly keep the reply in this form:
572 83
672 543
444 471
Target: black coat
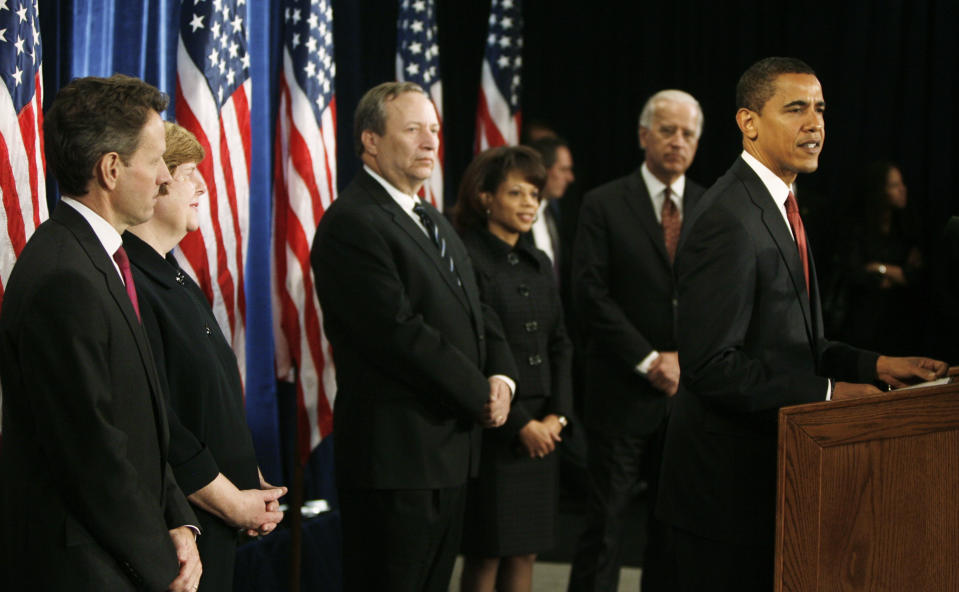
86 496
413 350
518 284
750 341
198 369
624 295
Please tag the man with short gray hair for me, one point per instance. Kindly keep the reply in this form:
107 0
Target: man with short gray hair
624 294
421 364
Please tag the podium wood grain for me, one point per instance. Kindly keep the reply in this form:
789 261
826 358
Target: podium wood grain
868 496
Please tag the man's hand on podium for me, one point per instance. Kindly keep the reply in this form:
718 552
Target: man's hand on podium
900 372
853 390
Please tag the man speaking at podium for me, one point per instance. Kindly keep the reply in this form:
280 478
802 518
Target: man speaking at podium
751 339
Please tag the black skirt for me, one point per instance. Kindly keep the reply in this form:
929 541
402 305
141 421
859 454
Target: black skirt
511 506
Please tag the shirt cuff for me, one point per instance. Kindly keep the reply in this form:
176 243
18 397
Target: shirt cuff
509 382
195 529
643 367
829 384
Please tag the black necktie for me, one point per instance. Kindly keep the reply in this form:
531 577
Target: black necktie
433 230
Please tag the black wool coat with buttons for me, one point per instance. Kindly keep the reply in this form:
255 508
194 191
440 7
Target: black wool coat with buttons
199 372
518 283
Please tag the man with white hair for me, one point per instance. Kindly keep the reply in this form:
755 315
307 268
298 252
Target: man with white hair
623 292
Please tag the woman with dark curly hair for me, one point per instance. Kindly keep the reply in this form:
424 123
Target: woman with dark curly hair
511 507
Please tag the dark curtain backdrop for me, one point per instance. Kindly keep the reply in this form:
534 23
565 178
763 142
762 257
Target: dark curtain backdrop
888 68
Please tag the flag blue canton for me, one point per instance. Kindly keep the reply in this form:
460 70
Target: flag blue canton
417 42
504 48
309 39
214 34
19 49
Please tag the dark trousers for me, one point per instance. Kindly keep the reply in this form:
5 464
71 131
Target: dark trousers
616 464
720 566
404 539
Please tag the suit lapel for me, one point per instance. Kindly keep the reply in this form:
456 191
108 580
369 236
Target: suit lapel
101 261
773 220
641 205
425 243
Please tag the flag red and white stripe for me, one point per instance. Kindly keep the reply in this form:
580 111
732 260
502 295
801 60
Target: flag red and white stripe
498 111
22 179
417 60
212 101
304 187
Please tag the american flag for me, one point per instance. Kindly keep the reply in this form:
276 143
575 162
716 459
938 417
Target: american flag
212 101
22 179
418 60
304 186
497 113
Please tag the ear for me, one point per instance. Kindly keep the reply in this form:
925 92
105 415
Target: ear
370 140
748 122
106 172
643 134
486 198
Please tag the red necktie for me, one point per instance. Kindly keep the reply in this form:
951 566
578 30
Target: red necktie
672 223
123 262
792 212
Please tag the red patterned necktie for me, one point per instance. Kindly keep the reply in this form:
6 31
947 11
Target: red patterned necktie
123 262
792 212
672 223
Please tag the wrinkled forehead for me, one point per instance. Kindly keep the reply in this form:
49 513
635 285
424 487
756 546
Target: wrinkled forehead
410 107
682 113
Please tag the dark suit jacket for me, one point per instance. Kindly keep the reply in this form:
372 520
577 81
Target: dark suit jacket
87 494
413 350
624 296
750 342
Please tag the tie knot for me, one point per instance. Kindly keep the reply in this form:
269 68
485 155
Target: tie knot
120 256
791 204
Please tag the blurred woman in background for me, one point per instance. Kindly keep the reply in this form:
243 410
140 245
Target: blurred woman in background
884 267
511 507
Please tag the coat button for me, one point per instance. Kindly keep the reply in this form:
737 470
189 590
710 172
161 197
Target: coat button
531 326
523 290
535 360
512 258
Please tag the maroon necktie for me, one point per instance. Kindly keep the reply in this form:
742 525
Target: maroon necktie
672 223
123 262
792 212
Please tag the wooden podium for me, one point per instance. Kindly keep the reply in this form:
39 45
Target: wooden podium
868 494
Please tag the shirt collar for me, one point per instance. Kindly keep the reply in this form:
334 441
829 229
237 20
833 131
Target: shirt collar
405 200
655 186
774 185
106 233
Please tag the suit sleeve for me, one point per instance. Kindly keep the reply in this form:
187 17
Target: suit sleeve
560 362
717 284
499 357
71 399
358 283
191 460
602 316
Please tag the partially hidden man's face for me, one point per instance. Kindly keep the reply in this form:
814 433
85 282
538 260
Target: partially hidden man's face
560 175
790 130
671 140
406 152
139 179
